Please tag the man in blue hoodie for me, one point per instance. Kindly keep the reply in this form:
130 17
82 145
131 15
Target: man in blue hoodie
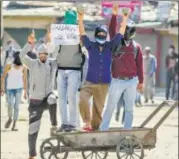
99 71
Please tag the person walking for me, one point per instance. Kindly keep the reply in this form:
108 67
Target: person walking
42 72
16 81
150 67
127 70
170 74
99 71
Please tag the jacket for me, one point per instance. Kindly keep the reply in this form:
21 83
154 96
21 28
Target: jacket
42 74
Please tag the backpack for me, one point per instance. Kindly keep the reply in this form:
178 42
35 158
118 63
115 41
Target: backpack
117 49
82 57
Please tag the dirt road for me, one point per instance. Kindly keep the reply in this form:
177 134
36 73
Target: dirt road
14 144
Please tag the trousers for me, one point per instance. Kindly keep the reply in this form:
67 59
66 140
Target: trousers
99 93
36 109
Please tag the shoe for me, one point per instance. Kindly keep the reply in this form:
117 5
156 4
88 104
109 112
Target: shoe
14 127
138 105
63 128
87 129
8 123
70 128
146 101
53 131
152 101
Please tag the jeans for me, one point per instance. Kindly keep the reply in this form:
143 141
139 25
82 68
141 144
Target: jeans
117 87
14 99
36 109
68 82
169 81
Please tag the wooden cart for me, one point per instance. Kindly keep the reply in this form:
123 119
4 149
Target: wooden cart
128 144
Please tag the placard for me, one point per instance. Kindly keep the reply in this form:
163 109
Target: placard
65 34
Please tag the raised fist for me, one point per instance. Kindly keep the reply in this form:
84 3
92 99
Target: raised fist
115 9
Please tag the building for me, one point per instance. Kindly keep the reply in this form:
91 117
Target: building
18 24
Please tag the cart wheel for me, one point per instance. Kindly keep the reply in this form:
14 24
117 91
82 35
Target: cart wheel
94 154
130 148
50 148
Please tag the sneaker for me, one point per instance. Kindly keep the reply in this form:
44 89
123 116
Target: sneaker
70 128
63 128
53 131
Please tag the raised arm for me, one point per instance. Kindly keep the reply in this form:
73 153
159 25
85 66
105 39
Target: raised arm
113 22
26 60
119 36
84 39
125 16
80 23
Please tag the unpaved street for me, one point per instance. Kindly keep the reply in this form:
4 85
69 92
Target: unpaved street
14 144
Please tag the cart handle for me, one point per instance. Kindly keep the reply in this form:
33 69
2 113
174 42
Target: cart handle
173 104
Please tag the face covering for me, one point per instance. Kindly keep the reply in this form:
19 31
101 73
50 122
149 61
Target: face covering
100 39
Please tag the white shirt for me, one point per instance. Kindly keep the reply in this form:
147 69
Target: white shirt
15 78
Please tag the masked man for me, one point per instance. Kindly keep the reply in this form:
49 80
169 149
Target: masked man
42 71
127 70
69 62
99 71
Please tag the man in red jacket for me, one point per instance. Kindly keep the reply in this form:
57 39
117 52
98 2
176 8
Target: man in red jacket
127 74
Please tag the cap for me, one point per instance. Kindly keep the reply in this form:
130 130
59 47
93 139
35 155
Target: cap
42 49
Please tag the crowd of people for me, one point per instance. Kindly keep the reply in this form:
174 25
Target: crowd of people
118 68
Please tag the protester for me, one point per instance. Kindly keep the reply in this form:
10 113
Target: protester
9 51
16 81
150 67
99 72
127 68
42 72
170 75
70 62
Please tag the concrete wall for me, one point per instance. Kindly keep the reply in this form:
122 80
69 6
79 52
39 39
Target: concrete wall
27 22
147 40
